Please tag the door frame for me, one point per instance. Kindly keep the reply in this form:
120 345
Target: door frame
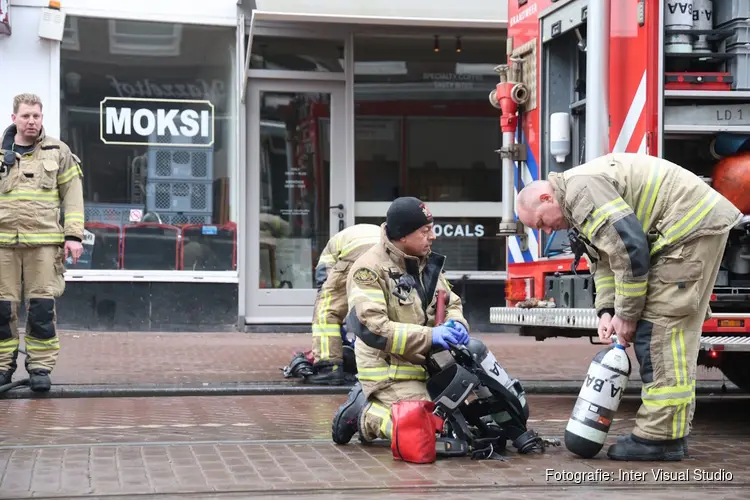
290 305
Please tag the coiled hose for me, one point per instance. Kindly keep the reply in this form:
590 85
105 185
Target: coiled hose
17 383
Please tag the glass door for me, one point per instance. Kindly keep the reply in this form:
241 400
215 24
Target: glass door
296 191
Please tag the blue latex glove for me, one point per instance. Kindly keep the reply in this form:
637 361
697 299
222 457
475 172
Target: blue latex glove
442 336
460 331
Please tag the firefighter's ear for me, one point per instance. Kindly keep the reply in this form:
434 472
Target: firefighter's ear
546 198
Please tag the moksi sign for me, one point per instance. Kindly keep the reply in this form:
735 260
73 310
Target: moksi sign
163 122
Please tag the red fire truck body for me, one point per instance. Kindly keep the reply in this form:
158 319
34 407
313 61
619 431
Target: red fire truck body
621 75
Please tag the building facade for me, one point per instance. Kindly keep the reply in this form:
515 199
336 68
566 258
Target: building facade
223 146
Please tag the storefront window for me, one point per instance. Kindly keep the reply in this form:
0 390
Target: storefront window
149 109
297 54
470 244
424 126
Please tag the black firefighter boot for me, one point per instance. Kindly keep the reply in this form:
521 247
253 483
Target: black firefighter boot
39 380
327 373
6 377
346 420
634 448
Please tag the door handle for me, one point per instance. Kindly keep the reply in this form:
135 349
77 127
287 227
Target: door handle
340 206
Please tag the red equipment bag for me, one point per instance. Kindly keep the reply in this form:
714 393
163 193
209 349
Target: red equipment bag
414 426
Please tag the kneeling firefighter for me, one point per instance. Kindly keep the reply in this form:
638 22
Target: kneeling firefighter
333 360
392 292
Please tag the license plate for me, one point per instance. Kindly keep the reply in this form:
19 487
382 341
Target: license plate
733 323
719 115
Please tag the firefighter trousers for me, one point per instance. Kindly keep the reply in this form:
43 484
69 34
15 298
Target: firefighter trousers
375 420
37 273
668 335
329 312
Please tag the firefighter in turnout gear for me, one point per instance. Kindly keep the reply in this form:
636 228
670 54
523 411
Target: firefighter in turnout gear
331 305
654 234
392 291
40 178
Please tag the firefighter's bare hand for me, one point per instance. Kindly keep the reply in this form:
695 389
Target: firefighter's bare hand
74 249
624 329
604 328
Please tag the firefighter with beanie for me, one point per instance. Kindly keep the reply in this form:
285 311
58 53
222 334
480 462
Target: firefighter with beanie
392 297
330 309
40 178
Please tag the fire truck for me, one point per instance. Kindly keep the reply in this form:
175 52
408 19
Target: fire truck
669 78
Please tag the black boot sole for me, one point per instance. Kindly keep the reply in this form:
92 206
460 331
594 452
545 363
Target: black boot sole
670 456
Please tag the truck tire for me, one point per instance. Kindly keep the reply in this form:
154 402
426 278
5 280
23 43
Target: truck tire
736 367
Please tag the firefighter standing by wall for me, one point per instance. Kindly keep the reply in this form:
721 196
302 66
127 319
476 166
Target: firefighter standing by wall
39 176
331 304
392 292
655 234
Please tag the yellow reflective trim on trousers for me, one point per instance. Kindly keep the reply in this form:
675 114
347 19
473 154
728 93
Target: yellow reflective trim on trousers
386 427
600 215
31 195
9 345
604 283
395 372
688 222
69 175
649 195
325 346
34 344
352 245
680 363
326 330
632 289
41 238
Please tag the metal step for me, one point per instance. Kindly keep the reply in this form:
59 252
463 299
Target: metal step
587 319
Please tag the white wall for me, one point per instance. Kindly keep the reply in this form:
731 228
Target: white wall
31 65
465 10
220 12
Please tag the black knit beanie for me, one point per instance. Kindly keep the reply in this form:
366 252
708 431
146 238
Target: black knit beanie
406 215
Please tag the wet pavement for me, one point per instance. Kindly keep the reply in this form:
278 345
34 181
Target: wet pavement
192 358
200 447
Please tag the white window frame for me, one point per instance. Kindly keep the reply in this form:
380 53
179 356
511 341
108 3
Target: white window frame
53 113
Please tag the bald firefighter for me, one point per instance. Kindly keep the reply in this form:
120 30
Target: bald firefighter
39 178
654 234
331 305
392 291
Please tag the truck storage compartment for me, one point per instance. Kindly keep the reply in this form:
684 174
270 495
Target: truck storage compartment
739 65
726 11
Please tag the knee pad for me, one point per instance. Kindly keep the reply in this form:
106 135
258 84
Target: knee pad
42 318
450 387
6 316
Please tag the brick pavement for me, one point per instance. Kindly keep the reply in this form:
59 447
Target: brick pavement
183 358
291 453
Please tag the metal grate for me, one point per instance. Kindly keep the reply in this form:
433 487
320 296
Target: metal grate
180 196
557 317
176 164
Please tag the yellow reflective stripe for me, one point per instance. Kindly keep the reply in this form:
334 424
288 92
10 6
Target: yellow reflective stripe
41 238
681 371
386 427
8 237
326 330
649 195
369 294
74 217
688 222
9 345
398 344
349 247
632 289
324 327
34 344
69 175
326 259
395 372
31 195
600 215
604 282
372 374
